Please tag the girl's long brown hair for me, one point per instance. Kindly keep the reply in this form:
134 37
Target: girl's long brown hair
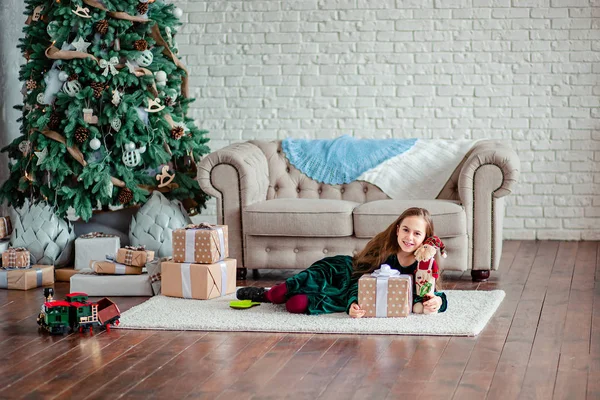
385 243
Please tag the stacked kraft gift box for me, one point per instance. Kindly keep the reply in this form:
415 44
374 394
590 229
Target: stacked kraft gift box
200 268
17 273
103 268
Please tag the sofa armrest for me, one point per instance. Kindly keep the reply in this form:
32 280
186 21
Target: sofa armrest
251 166
237 176
489 173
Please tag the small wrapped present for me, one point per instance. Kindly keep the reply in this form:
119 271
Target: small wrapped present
113 268
202 244
16 257
198 281
154 270
64 274
94 246
385 293
25 279
136 256
5 227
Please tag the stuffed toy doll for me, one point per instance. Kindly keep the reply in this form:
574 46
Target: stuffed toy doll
427 271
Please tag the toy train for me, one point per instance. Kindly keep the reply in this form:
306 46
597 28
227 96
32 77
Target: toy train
76 313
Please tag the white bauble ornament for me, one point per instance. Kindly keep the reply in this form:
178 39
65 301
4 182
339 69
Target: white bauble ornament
132 158
178 12
63 76
129 146
95 144
142 149
145 58
72 88
154 223
161 78
40 98
52 29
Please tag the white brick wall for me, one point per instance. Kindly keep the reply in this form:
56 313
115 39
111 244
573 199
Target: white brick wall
523 71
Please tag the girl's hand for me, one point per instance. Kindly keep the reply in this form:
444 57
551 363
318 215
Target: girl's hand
432 305
355 311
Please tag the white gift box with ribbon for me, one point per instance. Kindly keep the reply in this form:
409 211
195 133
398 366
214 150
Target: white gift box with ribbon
385 293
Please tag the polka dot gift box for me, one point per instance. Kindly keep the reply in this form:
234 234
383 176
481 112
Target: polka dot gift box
385 293
202 244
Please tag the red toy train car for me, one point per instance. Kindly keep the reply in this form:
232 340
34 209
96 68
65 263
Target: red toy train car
76 313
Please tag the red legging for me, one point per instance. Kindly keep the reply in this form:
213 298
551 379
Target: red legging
297 304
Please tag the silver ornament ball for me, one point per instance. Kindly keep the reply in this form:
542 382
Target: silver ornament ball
95 144
178 12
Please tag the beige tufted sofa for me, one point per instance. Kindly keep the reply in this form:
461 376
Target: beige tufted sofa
280 218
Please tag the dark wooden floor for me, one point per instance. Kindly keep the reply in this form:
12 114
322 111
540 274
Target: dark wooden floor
542 343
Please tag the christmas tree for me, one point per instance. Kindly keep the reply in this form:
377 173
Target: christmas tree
105 102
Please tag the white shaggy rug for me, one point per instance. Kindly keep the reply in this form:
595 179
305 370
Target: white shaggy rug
468 313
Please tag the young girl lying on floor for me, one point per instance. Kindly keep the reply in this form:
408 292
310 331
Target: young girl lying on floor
331 284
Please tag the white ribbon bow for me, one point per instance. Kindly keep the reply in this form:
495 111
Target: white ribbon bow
109 65
382 274
385 271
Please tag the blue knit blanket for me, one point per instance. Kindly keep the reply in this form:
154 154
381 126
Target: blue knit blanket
343 159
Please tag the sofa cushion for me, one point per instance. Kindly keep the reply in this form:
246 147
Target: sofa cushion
370 218
299 217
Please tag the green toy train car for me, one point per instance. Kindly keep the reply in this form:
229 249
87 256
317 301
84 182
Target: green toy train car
76 313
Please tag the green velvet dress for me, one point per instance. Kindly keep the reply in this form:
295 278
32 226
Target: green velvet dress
330 287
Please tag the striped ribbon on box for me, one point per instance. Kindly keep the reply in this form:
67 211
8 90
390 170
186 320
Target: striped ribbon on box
93 235
129 253
12 258
156 277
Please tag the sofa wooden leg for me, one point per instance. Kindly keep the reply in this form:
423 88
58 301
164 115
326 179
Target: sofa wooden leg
480 275
241 273
255 274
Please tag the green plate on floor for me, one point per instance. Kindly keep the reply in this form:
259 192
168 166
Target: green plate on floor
243 304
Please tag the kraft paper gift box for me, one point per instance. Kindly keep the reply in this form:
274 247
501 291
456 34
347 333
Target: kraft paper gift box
201 244
5 227
64 274
16 257
113 268
134 256
385 293
94 246
88 282
25 279
198 281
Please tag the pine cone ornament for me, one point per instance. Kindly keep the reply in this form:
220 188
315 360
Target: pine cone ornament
169 101
31 84
140 45
102 27
125 195
81 134
177 132
73 77
98 89
142 8
54 122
